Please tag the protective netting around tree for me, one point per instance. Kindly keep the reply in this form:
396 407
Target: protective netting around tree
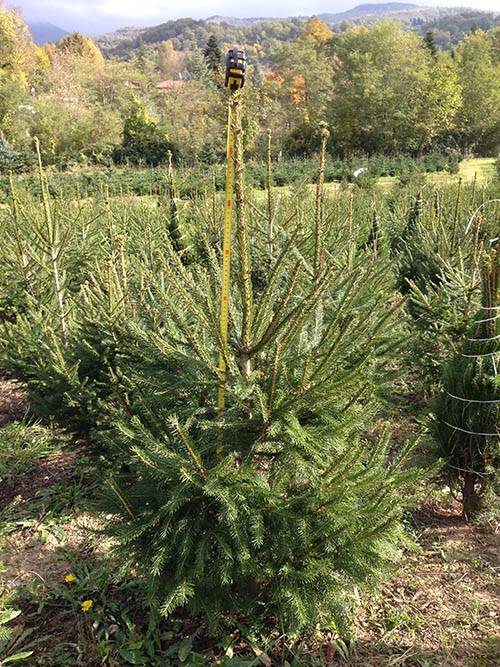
468 409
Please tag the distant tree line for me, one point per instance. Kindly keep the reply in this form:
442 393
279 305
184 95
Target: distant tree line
378 88
261 38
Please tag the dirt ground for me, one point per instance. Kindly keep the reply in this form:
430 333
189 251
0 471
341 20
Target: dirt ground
441 607
12 401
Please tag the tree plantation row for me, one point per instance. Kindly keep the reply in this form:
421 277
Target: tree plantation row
282 510
189 182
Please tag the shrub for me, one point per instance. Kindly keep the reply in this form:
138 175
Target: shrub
13 160
143 141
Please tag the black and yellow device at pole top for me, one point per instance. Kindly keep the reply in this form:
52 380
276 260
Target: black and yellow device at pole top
235 78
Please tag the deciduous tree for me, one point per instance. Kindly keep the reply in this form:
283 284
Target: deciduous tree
17 50
387 96
81 47
478 67
171 63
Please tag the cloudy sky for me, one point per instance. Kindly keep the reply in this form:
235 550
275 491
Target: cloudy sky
96 16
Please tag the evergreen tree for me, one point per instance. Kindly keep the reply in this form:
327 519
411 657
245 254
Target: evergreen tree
213 55
436 268
141 53
430 43
63 336
197 69
208 153
276 507
176 229
467 411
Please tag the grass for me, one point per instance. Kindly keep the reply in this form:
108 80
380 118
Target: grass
484 168
441 607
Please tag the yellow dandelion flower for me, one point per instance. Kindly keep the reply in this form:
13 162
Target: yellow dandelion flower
69 577
86 605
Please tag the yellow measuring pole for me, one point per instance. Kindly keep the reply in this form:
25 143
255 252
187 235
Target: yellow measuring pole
235 78
226 250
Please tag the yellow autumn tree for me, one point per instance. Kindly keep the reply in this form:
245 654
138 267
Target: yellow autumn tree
17 62
318 29
82 48
17 50
170 61
42 58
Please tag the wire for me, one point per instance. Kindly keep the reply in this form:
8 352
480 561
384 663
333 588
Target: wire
486 435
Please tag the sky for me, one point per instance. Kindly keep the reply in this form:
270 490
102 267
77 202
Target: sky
93 17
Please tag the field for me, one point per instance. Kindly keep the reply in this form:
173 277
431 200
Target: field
480 168
89 294
483 169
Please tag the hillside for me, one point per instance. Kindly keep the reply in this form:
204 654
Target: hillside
264 35
402 11
113 38
240 23
46 32
188 34
450 30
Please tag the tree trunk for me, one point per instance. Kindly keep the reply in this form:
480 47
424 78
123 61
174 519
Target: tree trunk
470 499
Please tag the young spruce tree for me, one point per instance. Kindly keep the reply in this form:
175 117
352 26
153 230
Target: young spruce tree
467 410
276 509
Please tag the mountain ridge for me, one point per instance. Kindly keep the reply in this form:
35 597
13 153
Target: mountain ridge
43 32
365 10
189 33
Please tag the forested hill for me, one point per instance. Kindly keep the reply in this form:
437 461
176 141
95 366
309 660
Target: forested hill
128 33
450 30
187 34
262 36
402 11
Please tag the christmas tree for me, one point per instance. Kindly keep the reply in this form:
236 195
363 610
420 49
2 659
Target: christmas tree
468 409
277 508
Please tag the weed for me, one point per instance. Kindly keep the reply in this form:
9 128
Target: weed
13 642
22 446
